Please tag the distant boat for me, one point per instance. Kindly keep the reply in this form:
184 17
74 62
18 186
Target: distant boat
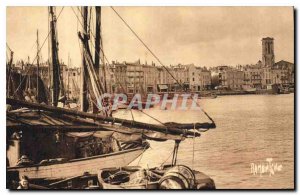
249 89
284 90
252 89
207 96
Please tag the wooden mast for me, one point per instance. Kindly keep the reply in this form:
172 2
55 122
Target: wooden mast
9 71
54 65
99 55
37 65
97 39
68 77
83 88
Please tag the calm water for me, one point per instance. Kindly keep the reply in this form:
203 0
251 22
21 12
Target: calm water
249 129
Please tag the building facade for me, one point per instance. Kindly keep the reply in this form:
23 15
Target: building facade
199 78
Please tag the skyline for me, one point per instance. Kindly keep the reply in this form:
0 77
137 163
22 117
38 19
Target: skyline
190 36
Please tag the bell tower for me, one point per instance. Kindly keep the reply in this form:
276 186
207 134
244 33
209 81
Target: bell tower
268 57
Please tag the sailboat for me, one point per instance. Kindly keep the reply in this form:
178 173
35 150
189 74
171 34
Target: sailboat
39 119
42 140
33 149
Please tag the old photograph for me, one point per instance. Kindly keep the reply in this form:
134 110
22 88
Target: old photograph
150 98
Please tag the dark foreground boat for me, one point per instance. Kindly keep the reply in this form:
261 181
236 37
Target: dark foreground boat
166 177
50 137
42 144
131 177
52 148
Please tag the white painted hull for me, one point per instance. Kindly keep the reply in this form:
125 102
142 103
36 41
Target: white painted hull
77 167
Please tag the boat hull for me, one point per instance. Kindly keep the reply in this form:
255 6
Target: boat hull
191 179
79 166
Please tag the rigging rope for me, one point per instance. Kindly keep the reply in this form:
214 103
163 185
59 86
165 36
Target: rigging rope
78 21
131 114
105 56
145 148
39 50
167 159
137 36
10 53
8 47
152 117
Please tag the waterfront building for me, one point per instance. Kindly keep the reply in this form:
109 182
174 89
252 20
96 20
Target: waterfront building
134 77
181 73
253 75
228 77
120 73
233 79
287 72
199 78
266 73
150 74
205 79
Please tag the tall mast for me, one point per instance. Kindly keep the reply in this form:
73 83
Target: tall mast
97 39
54 65
9 65
99 56
68 77
83 88
37 65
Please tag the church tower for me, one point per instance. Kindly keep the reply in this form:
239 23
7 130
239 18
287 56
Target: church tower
268 57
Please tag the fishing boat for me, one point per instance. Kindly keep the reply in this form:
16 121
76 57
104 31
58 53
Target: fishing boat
165 177
57 140
33 117
47 142
50 127
249 89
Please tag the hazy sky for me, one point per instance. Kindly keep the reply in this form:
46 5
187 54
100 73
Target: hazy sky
205 36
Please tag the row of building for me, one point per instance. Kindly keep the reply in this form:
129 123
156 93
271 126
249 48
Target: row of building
149 78
143 78
135 77
255 76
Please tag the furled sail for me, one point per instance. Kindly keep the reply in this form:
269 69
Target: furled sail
44 117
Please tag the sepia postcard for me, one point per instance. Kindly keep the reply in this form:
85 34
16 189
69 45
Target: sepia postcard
150 98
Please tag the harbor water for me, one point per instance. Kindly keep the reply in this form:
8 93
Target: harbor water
250 130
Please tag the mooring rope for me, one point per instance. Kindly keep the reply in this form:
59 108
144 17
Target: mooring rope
194 146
